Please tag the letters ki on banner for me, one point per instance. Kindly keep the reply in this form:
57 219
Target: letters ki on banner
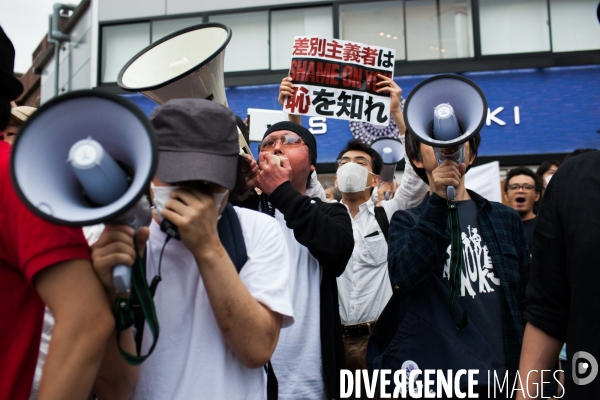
336 79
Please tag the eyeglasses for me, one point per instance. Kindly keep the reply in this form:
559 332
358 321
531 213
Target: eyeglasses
285 140
362 161
526 187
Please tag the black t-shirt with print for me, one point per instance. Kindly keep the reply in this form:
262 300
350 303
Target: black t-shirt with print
480 287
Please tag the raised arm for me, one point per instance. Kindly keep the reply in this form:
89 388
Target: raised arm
287 89
250 329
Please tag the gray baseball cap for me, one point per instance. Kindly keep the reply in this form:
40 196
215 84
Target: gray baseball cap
197 141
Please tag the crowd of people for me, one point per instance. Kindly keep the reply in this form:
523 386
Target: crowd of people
270 284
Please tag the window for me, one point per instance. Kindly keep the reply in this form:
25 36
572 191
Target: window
376 23
574 25
119 44
163 28
439 29
514 26
286 24
249 46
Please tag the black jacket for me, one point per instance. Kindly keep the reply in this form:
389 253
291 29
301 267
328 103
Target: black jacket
326 230
563 296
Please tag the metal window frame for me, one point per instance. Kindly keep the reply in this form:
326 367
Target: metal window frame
476 63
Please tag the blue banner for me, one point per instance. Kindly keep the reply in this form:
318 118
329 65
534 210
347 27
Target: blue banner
532 111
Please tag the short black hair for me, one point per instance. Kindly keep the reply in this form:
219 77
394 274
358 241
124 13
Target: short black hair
545 166
577 152
357 145
413 152
537 179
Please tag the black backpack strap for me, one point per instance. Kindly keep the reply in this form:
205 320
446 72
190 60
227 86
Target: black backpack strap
272 384
232 238
382 220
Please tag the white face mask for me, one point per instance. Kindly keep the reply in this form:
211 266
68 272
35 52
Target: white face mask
163 193
547 179
352 178
219 198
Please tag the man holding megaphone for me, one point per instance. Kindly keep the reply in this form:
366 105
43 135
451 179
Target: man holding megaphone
223 293
457 262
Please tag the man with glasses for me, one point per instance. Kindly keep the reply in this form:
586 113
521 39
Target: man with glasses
309 354
523 189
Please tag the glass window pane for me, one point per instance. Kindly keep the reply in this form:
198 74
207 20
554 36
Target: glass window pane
163 28
439 29
286 24
377 24
513 26
574 25
119 44
249 46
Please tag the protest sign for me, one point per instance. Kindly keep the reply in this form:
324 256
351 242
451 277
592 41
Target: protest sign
337 79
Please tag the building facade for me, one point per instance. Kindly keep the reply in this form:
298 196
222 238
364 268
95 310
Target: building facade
537 61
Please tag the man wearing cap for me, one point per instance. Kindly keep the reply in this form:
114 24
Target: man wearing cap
218 327
44 264
309 354
18 115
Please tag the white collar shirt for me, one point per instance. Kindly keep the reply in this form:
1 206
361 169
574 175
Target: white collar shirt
364 288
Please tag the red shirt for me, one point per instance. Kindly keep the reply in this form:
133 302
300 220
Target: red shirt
28 244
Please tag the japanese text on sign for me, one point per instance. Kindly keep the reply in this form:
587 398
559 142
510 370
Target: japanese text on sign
337 79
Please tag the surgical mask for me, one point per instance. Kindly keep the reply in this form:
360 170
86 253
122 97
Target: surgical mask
547 179
218 198
352 178
161 195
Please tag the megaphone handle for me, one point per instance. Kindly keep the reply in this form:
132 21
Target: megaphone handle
122 278
451 192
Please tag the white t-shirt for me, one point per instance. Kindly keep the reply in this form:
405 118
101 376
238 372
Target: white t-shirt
191 359
297 359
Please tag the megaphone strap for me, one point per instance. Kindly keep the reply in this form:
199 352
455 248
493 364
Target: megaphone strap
456 263
139 304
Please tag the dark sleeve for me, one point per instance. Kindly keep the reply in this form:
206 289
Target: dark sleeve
522 246
324 228
415 250
547 293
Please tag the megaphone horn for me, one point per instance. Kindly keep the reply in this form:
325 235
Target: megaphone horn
84 158
445 111
392 152
186 64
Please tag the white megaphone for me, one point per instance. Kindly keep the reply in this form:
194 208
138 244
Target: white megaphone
84 158
186 64
445 111
392 152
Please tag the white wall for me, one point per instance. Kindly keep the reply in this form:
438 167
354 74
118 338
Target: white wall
113 10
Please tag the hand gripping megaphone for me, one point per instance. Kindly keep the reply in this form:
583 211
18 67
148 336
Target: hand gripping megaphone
445 111
188 63
84 158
